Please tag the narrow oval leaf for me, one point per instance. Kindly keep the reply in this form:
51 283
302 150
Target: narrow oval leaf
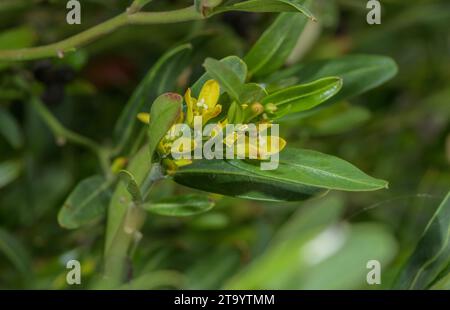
160 78
234 63
139 166
275 45
311 168
226 77
186 205
267 6
432 253
163 114
86 203
222 177
305 96
359 73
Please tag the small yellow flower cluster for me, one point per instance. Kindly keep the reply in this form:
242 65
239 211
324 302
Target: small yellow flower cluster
206 106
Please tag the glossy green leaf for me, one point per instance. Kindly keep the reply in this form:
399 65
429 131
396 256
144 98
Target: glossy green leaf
163 114
359 73
275 45
432 253
267 6
131 184
10 129
9 171
234 63
222 177
226 77
186 205
86 203
305 96
161 78
311 168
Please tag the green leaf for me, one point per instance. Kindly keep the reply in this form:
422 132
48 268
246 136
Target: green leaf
86 203
11 247
275 45
305 96
10 129
234 63
161 78
432 253
311 168
338 118
301 174
180 205
347 268
235 113
222 177
17 38
226 77
334 258
315 215
139 166
155 280
359 73
267 6
443 280
252 92
132 186
9 171
163 114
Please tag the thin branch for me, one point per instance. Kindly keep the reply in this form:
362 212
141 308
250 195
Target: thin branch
70 44
62 134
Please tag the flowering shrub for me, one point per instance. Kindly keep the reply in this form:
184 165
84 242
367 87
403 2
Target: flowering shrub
218 131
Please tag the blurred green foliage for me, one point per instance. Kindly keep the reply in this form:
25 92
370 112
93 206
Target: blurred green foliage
399 132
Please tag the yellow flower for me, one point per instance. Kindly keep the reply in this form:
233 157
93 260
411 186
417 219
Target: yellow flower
118 164
206 104
262 146
144 117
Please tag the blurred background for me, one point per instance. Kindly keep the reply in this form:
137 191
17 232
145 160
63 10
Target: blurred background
399 132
